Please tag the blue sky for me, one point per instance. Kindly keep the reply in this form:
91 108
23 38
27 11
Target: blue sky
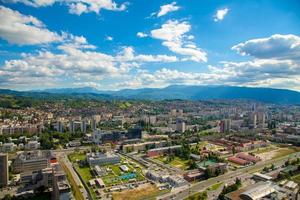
134 44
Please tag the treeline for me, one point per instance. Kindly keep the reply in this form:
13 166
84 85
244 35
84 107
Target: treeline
8 101
54 139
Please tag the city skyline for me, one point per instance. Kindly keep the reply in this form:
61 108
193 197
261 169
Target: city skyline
113 45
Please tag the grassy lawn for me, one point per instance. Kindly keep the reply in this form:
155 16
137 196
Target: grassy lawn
75 188
112 178
177 162
198 195
86 174
215 186
286 151
296 178
77 156
265 149
180 163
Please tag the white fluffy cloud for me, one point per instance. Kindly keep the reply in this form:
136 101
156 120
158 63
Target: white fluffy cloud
77 6
75 60
220 14
165 9
259 73
33 3
128 55
22 29
173 35
276 46
141 35
276 63
109 38
84 6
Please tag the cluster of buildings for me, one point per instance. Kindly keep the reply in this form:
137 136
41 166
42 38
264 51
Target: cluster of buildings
27 120
22 143
201 173
251 120
143 146
243 159
267 190
21 129
240 144
162 150
102 136
164 177
285 133
35 169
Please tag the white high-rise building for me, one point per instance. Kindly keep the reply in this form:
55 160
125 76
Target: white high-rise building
95 120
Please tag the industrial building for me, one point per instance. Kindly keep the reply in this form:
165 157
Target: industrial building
32 161
102 158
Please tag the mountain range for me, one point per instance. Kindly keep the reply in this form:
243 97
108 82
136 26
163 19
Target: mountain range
268 95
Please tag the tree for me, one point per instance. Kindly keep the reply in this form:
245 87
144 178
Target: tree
218 171
233 150
287 163
272 166
192 164
199 196
208 173
46 141
7 197
238 182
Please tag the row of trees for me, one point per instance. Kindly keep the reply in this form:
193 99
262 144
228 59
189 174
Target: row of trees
51 140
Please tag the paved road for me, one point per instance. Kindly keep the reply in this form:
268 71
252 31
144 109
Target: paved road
201 186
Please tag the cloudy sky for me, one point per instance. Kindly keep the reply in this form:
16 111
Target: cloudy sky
116 44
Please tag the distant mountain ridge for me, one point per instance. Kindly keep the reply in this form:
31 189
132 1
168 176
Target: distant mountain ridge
268 95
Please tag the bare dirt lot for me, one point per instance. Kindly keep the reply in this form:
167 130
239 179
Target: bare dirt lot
139 193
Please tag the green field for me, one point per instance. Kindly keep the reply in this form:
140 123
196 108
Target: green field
215 186
112 178
86 175
77 156
296 178
176 162
75 188
264 150
286 151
